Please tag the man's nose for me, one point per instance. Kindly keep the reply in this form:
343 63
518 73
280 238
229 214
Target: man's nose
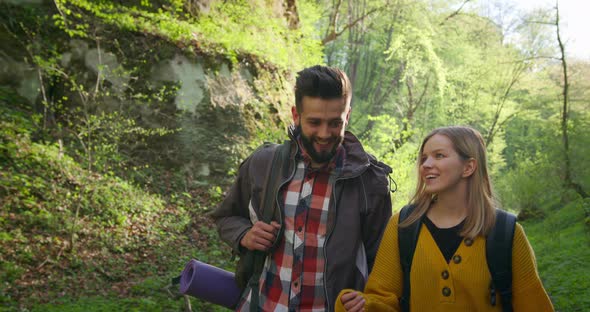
324 132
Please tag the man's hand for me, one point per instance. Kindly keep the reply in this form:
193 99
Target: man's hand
353 302
261 236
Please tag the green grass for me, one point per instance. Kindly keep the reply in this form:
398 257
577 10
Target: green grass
147 296
98 304
562 246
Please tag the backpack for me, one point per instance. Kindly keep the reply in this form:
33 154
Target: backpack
498 256
250 265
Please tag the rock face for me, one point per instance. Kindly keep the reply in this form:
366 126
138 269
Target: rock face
215 106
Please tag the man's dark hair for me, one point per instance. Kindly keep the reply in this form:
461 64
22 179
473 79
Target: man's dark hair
323 82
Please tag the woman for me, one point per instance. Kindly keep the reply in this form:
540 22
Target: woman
449 271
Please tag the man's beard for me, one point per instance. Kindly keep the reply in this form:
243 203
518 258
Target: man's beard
320 157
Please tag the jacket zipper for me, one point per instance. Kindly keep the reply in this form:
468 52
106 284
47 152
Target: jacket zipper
283 184
332 230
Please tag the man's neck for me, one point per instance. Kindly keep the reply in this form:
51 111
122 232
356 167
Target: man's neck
315 165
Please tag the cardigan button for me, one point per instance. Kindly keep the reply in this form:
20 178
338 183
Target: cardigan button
446 291
468 241
445 274
457 259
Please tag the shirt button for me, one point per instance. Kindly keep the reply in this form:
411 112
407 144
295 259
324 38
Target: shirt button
445 274
457 259
295 284
446 291
299 229
468 241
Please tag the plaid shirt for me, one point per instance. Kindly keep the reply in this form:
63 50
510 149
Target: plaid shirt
293 276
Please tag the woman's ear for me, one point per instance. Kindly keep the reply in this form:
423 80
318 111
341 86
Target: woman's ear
469 167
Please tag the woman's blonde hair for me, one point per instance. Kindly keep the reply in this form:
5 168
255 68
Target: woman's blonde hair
481 214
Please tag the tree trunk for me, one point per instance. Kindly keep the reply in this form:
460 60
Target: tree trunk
564 113
291 14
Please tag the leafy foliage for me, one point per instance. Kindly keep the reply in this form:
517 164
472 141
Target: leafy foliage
418 65
46 191
401 158
234 29
94 188
62 225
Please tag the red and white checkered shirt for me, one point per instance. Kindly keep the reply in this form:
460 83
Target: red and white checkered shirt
293 275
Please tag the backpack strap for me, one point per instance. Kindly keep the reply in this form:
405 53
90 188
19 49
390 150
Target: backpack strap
386 171
268 207
499 258
278 169
273 171
407 240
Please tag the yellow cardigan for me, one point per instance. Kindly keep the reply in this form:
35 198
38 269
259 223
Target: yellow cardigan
468 280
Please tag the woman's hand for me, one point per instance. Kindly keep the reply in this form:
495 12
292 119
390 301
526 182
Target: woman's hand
353 302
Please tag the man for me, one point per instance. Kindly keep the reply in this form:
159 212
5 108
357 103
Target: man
333 203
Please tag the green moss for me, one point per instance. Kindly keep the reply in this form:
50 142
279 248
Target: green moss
230 28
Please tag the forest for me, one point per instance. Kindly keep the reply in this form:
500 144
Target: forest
123 123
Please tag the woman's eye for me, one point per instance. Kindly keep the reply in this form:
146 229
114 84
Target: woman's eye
439 155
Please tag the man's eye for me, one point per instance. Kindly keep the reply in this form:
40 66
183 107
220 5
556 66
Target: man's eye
335 124
439 155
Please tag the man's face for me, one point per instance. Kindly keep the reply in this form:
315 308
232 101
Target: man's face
322 123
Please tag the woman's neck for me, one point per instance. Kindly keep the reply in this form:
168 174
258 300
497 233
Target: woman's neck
448 210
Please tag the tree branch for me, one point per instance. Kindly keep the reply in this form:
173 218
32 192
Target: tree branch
540 22
333 34
333 20
454 13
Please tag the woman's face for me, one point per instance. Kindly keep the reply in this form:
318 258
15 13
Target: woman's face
441 168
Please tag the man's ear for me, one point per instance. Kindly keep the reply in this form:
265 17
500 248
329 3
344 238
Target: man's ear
295 115
469 167
348 114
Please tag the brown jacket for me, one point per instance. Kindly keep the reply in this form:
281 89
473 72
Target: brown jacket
360 210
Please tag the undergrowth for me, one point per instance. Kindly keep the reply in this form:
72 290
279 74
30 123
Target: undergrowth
562 247
235 29
70 237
